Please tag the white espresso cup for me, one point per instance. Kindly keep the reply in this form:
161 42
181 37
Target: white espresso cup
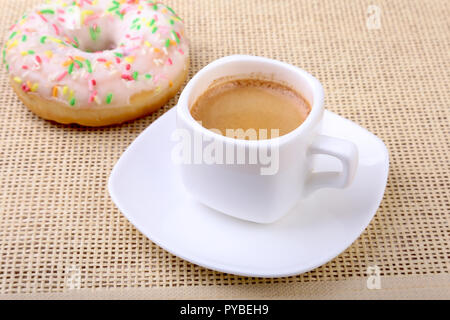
257 180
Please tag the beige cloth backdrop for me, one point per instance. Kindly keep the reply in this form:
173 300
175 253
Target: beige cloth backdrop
59 228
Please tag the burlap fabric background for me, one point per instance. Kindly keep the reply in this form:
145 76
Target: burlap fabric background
59 229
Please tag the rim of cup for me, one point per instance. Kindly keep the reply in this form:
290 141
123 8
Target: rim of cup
183 108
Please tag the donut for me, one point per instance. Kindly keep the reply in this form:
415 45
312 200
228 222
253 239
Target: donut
97 62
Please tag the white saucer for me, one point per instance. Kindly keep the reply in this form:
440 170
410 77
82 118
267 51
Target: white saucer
146 187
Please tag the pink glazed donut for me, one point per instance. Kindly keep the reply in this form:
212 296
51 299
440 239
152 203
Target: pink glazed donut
97 62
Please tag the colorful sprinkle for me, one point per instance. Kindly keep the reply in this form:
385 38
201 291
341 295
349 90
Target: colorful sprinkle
115 7
177 39
109 98
25 88
79 63
85 13
119 14
47 11
75 39
127 77
94 32
62 76
12 45
42 17
49 54
67 63
171 10
92 96
89 66
56 40
35 87
71 68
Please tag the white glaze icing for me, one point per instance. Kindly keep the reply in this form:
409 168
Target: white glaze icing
129 46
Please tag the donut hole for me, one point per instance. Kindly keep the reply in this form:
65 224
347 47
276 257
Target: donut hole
95 41
101 36
96 46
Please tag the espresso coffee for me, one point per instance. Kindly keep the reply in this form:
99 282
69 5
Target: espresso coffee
250 109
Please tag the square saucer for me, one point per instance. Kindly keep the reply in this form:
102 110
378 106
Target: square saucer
146 187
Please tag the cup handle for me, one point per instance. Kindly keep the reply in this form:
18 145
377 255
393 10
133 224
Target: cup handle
343 150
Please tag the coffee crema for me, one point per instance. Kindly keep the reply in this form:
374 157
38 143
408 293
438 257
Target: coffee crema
250 109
